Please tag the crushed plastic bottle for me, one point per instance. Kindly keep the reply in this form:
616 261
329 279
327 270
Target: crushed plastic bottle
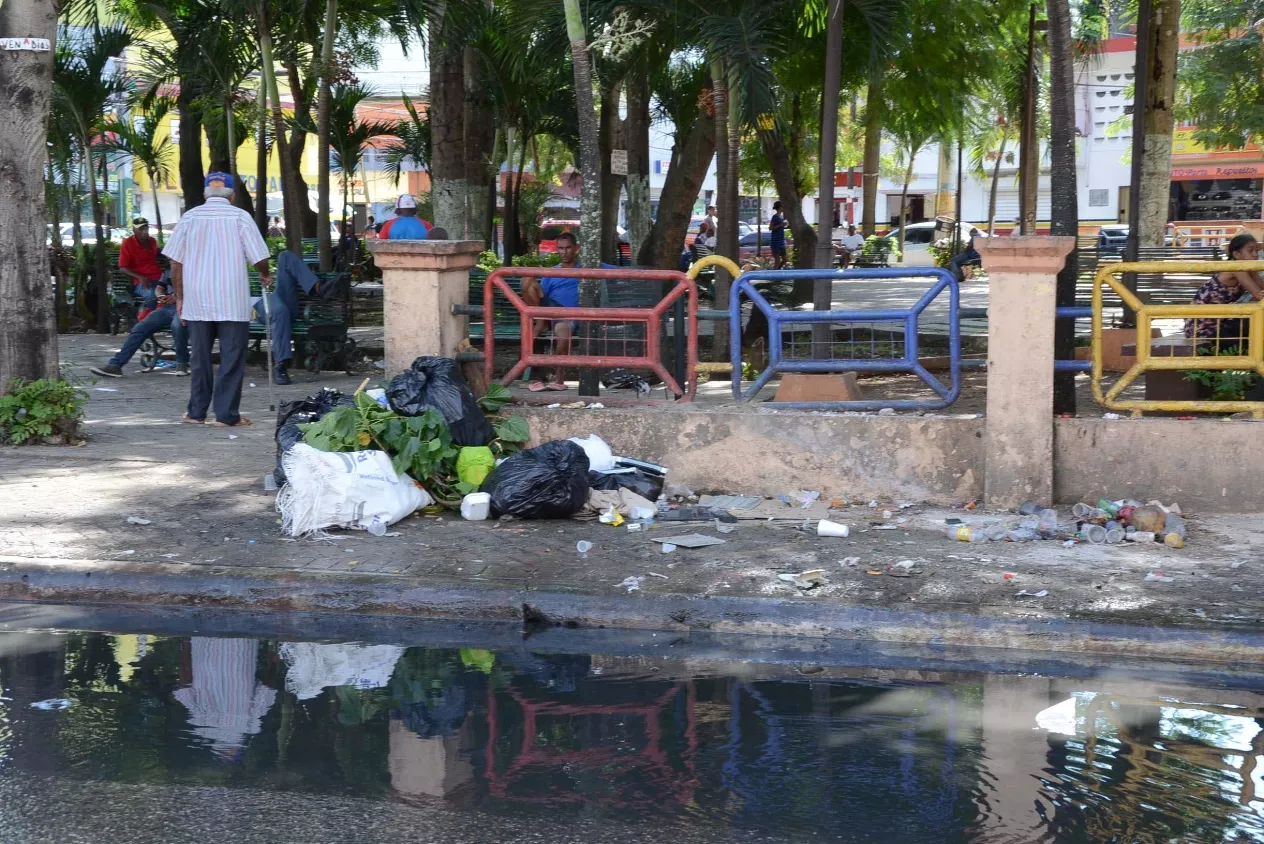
963 533
1158 577
1140 536
1048 524
1109 507
1022 534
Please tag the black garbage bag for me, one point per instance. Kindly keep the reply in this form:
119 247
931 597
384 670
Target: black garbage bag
437 383
546 482
641 482
294 413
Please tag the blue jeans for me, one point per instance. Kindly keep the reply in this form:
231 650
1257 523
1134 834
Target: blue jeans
291 276
159 320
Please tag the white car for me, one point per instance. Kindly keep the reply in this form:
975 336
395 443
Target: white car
918 238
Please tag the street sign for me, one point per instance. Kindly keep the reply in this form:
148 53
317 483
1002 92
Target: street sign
619 162
36 45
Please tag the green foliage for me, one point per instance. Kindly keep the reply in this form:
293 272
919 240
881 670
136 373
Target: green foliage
488 262
549 260
1225 384
419 446
33 410
1221 84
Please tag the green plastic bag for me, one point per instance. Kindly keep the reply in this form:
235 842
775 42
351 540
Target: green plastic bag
474 463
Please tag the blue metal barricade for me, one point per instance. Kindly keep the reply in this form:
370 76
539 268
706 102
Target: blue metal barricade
908 362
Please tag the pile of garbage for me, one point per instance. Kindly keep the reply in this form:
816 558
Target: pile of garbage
370 459
1105 523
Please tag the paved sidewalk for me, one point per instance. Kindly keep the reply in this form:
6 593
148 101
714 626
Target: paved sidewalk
214 538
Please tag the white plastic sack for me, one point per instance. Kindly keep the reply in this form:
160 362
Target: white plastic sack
600 455
352 490
312 667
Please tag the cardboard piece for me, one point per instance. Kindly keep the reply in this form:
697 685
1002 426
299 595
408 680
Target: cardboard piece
690 540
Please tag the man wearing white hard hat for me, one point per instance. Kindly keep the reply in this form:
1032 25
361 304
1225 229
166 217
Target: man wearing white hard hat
406 225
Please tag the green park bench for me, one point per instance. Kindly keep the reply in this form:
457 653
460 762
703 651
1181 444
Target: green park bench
874 254
320 326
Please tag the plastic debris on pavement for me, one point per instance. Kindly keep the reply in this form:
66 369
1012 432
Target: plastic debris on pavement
633 583
583 546
1023 593
721 527
1159 577
611 517
656 574
690 540
137 520
53 704
805 579
668 547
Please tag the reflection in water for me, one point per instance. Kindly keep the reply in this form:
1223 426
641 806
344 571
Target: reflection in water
983 758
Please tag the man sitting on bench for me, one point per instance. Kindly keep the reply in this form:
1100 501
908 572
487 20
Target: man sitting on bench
292 273
554 293
162 317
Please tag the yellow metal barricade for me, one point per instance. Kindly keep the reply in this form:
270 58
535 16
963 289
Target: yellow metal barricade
1251 359
734 271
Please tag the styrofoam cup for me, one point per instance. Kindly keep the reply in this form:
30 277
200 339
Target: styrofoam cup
476 506
827 528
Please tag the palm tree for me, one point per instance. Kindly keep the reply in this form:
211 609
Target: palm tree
147 141
350 136
84 84
412 142
1064 202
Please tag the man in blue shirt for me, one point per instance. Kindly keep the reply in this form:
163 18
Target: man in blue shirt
406 225
777 238
555 292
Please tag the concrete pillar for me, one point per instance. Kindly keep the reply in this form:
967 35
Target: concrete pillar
1019 446
421 280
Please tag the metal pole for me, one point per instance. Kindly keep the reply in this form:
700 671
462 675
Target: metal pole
1141 84
956 236
823 288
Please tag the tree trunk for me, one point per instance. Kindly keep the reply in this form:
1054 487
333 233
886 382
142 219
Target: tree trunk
822 298
28 345
100 270
1029 150
637 140
293 215
1064 214
724 222
324 246
192 176
261 163
511 212
590 170
1156 163
873 153
448 187
294 147
58 266
480 139
153 189
996 181
908 177
609 140
691 158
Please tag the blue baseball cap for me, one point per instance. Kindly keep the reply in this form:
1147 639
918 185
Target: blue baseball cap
219 180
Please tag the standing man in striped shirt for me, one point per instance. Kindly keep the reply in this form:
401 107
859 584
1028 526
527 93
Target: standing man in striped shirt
209 250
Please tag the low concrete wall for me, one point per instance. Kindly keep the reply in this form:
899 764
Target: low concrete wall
1208 465
938 460
925 459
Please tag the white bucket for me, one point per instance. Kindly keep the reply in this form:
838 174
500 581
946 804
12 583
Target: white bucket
476 506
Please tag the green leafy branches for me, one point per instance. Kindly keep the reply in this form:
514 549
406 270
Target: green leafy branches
35 410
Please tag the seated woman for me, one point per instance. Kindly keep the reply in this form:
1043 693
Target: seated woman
1227 288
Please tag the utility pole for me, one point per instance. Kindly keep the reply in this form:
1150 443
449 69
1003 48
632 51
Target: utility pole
823 288
1141 83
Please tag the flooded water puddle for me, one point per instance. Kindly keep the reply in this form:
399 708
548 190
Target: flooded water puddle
160 737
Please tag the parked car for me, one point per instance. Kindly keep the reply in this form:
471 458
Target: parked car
1115 236
919 237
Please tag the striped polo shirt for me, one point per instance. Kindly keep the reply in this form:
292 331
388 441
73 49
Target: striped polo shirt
213 243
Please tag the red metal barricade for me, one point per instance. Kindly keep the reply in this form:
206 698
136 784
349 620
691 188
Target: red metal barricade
650 318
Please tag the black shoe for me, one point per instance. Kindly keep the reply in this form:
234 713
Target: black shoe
108 371
281 377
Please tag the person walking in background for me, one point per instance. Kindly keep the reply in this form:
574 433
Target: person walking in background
275 229
209 250
777 235
711 219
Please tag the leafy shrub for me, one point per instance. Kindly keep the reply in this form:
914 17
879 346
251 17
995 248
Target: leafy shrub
39 410
1225 384
537 260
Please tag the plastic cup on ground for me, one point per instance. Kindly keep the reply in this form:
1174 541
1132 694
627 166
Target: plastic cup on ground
827 528
583 546
1093 534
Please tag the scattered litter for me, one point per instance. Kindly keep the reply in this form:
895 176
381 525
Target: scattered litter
887 411
137 520
611 517
668 547
104 390
690 540
574 405
871 571
1111 416
252 383
1009 575
633 583
596 406
721 527
849 561
1070 543
554 406
169 556
583 546
476 506
731 502
53 704
1159 577
379 364
886 514
232 436
269 482
806 579
803 499
827 528
1023 593
887 527
124 553
634 526
1237 564
656 574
